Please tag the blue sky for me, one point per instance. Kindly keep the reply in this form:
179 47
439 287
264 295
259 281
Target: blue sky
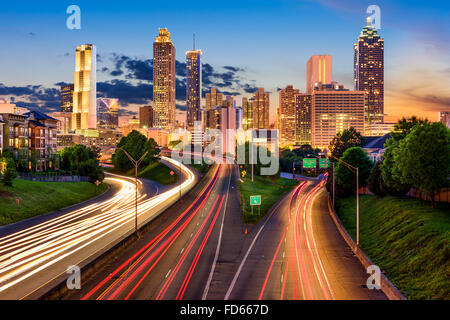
268 41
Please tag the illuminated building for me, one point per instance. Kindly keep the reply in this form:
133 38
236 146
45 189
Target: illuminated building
164 78
85 88
261 105
193 87
247 113
133 124
107 113
67 98
444 118
6 107
213 99
378 129
334 109
287 110
318 69
369 71
303 119
146 117
64 121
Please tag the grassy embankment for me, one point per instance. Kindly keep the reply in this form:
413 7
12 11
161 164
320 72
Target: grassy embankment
155 171
405 238
271 190
37 198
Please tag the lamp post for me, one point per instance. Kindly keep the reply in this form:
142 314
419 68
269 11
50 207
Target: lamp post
136 164
355 170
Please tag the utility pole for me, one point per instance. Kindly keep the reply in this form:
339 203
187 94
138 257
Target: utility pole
357 206
334 185
136 164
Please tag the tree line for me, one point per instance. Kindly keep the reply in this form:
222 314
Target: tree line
416 156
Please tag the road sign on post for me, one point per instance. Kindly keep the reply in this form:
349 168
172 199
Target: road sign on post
324 163
309 163
255 200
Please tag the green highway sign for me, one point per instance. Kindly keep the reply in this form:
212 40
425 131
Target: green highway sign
255 200
324 163
309 163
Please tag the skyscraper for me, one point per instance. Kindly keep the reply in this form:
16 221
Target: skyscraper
85 88
107 113
369 71
318 69
261 105
247 113
287 114
146 117
193 86
67 98
303 119
164 78
213 99
334 109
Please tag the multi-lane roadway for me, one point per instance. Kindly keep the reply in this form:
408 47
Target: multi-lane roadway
193 248
33 256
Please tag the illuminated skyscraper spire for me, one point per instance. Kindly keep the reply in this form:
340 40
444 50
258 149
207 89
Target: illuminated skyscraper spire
369 71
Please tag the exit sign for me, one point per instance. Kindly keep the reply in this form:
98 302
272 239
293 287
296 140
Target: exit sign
324 163
309 163
255 200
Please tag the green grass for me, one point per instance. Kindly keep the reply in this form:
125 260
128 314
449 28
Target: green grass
405 238
271 190
155 171
41 197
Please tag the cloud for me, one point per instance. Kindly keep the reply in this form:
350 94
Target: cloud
34 97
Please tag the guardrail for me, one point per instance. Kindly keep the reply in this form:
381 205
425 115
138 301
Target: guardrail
386 286
52 178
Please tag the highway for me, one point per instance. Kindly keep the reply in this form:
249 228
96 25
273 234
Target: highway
33 256
296 253
171 260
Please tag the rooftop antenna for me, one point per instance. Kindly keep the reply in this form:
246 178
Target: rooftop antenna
194 41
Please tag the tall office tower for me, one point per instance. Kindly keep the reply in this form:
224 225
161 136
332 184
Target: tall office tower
369 71
213 99
288 105
247 113
261 105
303 119
239 118
84 114
193 87
146 117
444 118
107 113
229 102
67 98
164 78
319 68
334 109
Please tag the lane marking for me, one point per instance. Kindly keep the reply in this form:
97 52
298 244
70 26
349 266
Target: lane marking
216 256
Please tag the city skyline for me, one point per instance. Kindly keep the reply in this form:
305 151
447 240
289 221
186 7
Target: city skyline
236 72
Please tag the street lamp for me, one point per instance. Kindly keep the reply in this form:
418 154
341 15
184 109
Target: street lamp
136 164
355 170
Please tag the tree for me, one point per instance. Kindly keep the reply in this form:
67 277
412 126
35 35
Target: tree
391 182
83 160
405 126
136 144
345 140
375 182
422 159
345 177
10 173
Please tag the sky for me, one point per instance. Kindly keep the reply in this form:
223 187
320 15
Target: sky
245 45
